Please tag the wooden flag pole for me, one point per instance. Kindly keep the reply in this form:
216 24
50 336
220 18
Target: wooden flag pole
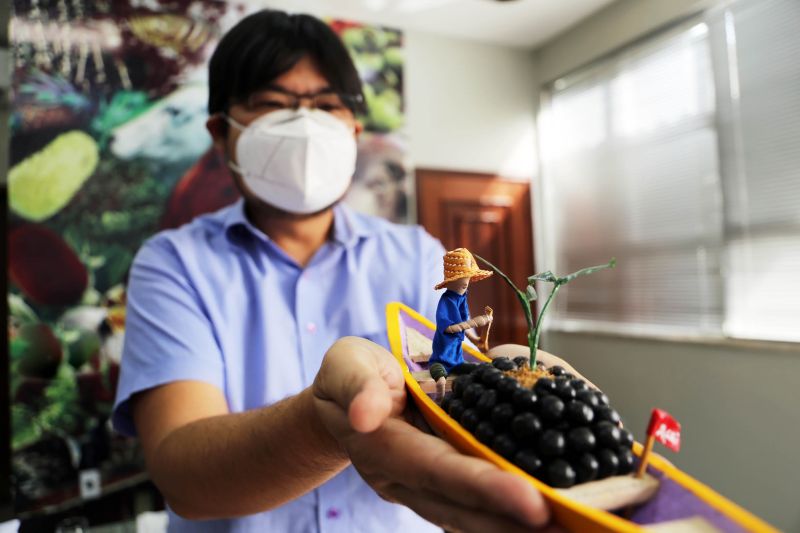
643 460
645 457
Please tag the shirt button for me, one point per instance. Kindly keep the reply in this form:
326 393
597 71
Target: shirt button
333 513
311 327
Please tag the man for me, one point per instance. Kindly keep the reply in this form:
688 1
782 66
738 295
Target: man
244 425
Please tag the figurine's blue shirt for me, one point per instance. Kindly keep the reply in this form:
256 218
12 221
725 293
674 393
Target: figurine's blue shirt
217 301
452 309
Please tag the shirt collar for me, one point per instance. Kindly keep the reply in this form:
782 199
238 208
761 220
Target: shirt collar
236 220
348 226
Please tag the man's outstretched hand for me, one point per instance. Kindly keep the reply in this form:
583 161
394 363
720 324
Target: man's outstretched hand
360 396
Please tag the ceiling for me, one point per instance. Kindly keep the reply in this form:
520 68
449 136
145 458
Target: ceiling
519 23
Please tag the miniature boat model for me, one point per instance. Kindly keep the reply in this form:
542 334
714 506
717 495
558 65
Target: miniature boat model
665 500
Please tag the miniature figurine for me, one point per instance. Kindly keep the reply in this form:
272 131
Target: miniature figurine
452 315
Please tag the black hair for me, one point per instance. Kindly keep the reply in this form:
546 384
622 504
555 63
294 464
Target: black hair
264 45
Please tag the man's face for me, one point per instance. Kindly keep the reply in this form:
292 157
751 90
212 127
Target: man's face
304 78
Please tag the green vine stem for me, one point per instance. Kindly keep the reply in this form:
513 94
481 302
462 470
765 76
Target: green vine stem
525 298
538 329
525 301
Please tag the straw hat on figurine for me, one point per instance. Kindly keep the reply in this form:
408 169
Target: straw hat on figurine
458 264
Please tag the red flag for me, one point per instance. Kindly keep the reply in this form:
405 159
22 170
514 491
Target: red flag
665 429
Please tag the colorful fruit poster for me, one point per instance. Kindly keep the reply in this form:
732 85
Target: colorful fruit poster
382 182
108 146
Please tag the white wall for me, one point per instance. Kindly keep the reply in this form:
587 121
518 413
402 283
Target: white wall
737 403
470 106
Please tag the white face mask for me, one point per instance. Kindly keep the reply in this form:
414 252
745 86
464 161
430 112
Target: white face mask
300 161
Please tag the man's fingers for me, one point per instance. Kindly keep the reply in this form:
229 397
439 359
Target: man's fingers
551 360
452 516
509 350
515 350
424 462
476 483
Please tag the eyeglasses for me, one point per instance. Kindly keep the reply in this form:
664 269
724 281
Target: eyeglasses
337 104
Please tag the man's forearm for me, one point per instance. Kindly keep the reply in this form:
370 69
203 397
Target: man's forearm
244 463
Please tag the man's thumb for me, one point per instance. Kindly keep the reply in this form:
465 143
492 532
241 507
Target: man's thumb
364 380
371 406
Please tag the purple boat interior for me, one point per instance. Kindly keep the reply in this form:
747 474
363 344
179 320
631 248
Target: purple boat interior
675 502
409 322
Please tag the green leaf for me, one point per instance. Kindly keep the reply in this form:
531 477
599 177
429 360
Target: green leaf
24 429
544 276
95 262
17 348
587 271
19 309
531 293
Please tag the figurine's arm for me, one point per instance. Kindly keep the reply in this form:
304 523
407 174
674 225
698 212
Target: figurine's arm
482 340
474 322
471 335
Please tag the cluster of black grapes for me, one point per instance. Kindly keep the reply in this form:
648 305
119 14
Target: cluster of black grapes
561 431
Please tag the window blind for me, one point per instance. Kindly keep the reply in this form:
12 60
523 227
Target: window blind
630 169
763 187
681 157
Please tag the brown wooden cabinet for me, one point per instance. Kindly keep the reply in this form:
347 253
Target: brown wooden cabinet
492 218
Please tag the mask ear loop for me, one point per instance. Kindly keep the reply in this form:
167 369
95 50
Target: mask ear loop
228 161
230 120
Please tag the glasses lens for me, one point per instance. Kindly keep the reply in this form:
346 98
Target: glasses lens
330 102
267 101
337 104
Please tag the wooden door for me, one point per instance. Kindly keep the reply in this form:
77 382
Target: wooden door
492 218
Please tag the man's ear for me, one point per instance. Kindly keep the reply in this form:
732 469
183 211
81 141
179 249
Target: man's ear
217 126
359 127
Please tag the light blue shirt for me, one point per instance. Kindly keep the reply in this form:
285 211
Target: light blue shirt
217 301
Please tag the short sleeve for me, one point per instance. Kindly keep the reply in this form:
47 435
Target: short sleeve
445 312
168 336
